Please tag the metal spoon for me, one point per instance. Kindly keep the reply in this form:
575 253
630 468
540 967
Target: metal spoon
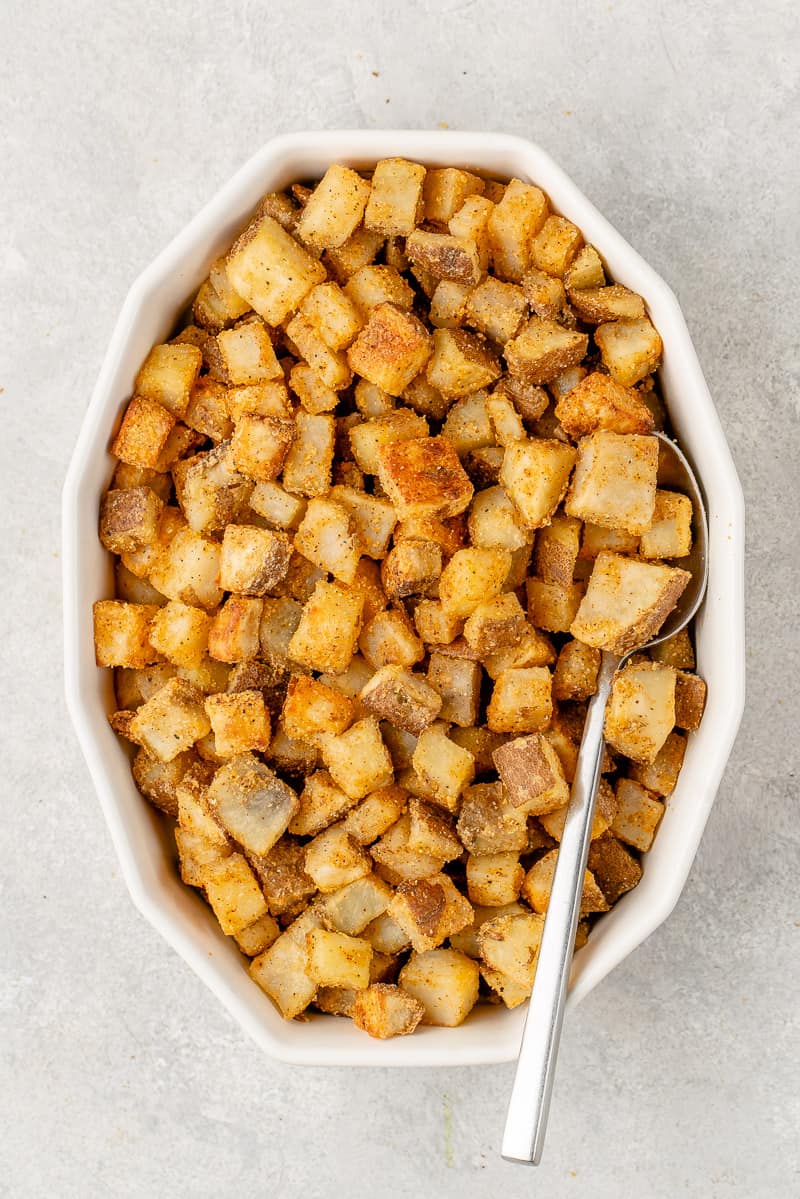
526 1122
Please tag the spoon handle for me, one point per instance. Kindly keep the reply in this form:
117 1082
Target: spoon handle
526 1123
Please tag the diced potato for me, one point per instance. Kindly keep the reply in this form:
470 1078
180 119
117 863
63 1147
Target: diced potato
188 570
282 875
471 577
336 960
535 474
233 892
434 625
596 539
368 438
378 284
614 484
444 191
334 859
411 568
258 936
171 720
168 375
423 476
326 537
586 270
143 433
208 410
358 251
494 522
293 757
495 623
521 701
396 694
429 910
384 1010
557 546
508 989
234 632
277 506
670 534
497 309
321 804
626 602
641 710
253 560
307 469
259 446
553 607
630 349
122 634
512 225
575 674
675 651
248 354
690 700
426 399
334 208
312 391
532 649
389 638
210 491
444 767
373 519
385 935
239 722
281 970
445 982
461 363
259 399
506 421
542 349
532 773
458 682
445 256
129 518
545 294
375 814
614 868
312 708
333 314
539 882
489 823
358 759
494 879
330 365
661 775
448 306
468 426
195 813
431 832
555 245
325 639
510 945
471 222
279 620
396 861
350 909
371 401
158 780
395 205
605 809
638 815
271 270
391 349
252 803
614 303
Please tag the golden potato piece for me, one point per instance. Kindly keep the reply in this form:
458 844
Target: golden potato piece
423 476
391 349
626 602
598 402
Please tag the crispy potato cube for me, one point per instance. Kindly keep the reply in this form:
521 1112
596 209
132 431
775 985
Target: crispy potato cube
458 682
675 651
385 935
321 804
431 832
521 701
233 892
210 491
471 222
506 421
494 623
508 989
171 720
391 349
598 402
121 634
424 476
605 810
467 426
279 620
282 875
543 349
529 399
359 250
444 191
411 568
445 982
434 625
367 582
532 649
661 775
258 936
555 245
187 569
378 284
401 697
670 534
535 474
596 539
334 209
626 602
461 363
586 270
208 410
334 859
429 910
690 700
383 1010
143 433
195 813
614 868
367 438
281 970
312 708
373 519
330 365
271 270
253 560
326 537
370 401
494 522
313 393
497 309
494 879
375 814
350 909
614 303
358 759
333 314
545 294
426 399
239 722
532 773
553 607
234 632
134 590
446 257
126 476
539 881
641 709
449 534
638 815
325 639
259 399
180 633
575 674
281 208
248 355
336 960
510 945
471 577
259 446
252 803
557 547
443 767
488 822
389 638
307 469
397 862
168 375
512 225
395 205
630 349
448 306
615 481
158 781
129 518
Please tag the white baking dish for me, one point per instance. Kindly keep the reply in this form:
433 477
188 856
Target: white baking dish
145 849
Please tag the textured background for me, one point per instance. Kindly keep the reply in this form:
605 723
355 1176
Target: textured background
120 1075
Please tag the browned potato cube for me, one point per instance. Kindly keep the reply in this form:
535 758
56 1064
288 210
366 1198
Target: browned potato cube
505 420
248 355
431 831
333 314
325 639
488 822
395 204
129 518
411 568
158 781
690 700
373 519
535 474
401 697
258 936
598 402
670 534
397 862
532 773
180 633
444 191
429 910
334 859
532 649
614 868
445 256
358 251
336 960
390 638
321 804
448 306
253 560
259 399
282 875
641 709
121 634
557 546
468 426
424 476
445 982
614 484
495 623
187 569
615 303
575 674
676 651
553 607
494 879
539 881
391 349
661 775
252 803
471 577
309 461
171 720
512 225
434 625
330 365
375 814
458 682
279 620
442 766
586 270
378 284
471 222
497 309
168 376
543 349
494 521
143 433
234 632
281 970
271 270
210 491
509 945
233 892
384 1010
638 815
334 209
626 602
521 701
369 437
351 908
555 245
461 363
630 349
357 758
259 446
605 810
326 537
312 708
239 722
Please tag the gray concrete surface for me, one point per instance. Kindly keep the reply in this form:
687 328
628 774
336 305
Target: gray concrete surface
119 1074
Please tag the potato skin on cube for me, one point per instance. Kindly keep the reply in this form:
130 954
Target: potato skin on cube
253 560
599 402
532 773
143 433
542 349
